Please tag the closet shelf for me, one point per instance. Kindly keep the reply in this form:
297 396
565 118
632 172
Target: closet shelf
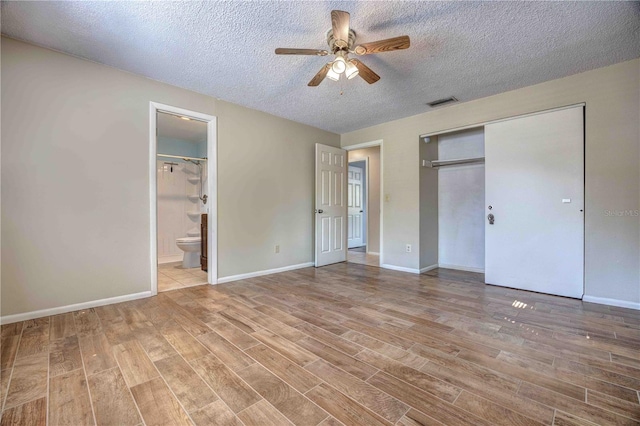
443 163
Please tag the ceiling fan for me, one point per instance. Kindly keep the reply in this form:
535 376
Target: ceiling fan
341 40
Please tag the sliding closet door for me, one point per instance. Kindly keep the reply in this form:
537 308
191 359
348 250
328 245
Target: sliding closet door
535 194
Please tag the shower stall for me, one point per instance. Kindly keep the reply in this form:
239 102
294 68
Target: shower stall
181 200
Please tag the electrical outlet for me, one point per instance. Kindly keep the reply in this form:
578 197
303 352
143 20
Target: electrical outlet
277 248
408 248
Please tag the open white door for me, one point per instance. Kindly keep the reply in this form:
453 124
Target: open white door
331 205
534 169
355 207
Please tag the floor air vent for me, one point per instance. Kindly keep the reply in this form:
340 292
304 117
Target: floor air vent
441 102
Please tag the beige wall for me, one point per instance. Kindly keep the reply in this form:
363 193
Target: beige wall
75 181
373 191
612 97
266 190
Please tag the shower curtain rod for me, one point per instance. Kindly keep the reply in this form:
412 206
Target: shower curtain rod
182 157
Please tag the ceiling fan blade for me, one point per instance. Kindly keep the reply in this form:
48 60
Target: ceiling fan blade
365 72
340 25
317 79
380 46
287 51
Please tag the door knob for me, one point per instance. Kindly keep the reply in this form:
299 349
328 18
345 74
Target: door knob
361 211
320 211
491 218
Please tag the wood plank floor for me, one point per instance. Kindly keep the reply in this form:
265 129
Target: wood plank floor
344 344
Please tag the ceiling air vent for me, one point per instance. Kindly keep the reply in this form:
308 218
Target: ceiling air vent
441 102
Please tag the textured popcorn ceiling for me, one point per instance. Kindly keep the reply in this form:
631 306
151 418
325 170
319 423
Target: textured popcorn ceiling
226 49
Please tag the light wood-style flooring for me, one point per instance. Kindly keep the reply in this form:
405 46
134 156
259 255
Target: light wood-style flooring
344 344
172 276
363 258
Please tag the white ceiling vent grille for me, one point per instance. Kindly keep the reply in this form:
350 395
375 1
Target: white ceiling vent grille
441 102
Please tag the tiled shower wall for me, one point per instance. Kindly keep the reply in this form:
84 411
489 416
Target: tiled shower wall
174 205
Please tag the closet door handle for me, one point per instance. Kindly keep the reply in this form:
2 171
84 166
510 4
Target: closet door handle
491 218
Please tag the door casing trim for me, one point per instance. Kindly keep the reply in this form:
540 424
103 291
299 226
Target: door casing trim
212 189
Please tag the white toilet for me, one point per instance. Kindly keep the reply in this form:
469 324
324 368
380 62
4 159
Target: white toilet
191 248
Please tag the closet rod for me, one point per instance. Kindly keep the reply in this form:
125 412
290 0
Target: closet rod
182 157
443 163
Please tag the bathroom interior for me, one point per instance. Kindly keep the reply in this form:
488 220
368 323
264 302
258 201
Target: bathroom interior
181 201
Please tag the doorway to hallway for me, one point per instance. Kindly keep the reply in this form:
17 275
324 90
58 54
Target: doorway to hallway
363 206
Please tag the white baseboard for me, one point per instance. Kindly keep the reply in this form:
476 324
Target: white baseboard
428 268
170 259
611 302
8 319
400 268
461 268
374 253
265 272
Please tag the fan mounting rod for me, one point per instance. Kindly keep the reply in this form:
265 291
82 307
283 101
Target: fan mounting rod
336 45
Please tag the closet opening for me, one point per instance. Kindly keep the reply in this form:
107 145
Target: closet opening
506 199
454 168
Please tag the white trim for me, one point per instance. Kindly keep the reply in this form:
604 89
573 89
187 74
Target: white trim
375 253
153 185
8 319
265 272
212 200
363 145
367 204
461 268
212 179
428 268
611 302
366 201
170 259
380 143
400 268
485 123
381 243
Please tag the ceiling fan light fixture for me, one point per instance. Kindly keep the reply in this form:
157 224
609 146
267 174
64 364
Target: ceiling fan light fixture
339 65
351 71
341 40
332 75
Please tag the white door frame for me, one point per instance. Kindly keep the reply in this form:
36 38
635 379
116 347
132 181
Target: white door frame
365 196
378 142
484 123
212 190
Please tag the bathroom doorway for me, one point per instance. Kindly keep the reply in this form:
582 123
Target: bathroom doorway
183 198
